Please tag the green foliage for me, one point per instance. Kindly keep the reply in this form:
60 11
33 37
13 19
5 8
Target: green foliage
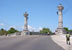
70 30
3 32
45 30
66 29
12 30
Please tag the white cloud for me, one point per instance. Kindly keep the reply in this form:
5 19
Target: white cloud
12 27
34 29
30 28
38 29
1 24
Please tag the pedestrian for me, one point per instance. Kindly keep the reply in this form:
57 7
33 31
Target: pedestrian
68 38
48 33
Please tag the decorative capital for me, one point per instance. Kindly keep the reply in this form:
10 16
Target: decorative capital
60 7
25 14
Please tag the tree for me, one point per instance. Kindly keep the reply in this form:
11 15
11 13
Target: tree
70 31
66 29
12 30
45 30
3 32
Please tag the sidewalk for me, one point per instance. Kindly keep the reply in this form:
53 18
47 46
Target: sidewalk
61 40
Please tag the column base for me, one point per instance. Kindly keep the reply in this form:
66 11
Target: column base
60 31
25 32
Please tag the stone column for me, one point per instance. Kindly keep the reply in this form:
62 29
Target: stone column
25 31
25 21
60 29
60 23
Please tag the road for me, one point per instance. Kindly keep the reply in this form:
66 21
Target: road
28 43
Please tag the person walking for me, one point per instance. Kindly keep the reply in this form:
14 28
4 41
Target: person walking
68 38
48 33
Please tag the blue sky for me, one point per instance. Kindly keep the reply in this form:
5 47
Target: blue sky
42 13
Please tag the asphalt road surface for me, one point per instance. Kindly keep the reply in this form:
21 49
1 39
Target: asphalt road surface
28 43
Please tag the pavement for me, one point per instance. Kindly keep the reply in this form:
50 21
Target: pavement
61 41
33 42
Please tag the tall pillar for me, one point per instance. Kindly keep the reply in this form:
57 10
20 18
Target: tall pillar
60 23
25 21
60 29
25 31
